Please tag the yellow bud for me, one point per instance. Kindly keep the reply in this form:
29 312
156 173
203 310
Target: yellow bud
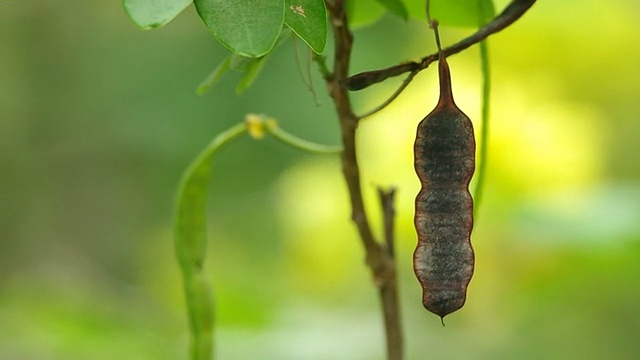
255 125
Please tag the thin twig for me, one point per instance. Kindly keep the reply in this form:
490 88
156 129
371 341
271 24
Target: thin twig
348 123
322 65
306 77
310 77
509 15
397 93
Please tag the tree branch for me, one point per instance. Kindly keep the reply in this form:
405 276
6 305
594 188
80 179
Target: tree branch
509 15
389 290
348 122
387 198
378 258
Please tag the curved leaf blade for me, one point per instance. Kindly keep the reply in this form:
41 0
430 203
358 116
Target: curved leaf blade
246 27
308 20
150 14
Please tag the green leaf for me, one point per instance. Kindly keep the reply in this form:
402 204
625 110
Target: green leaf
361 13
459 13
190 238
308 19
246 27
250 75
214 77
149 14
396 7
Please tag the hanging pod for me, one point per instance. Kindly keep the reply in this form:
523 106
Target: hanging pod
444 153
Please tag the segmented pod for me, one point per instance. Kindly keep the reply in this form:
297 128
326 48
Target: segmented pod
444 161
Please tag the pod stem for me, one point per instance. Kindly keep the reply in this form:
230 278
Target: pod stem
446 94
434 25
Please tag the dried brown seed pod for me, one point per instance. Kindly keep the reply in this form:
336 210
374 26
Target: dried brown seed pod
444 161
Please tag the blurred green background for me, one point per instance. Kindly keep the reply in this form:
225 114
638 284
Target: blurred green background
98 120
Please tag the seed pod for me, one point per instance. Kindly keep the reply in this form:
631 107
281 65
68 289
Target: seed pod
444 161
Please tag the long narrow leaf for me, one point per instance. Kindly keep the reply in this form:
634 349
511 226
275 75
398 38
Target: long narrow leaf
484 133
190 236
250 75
214 77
